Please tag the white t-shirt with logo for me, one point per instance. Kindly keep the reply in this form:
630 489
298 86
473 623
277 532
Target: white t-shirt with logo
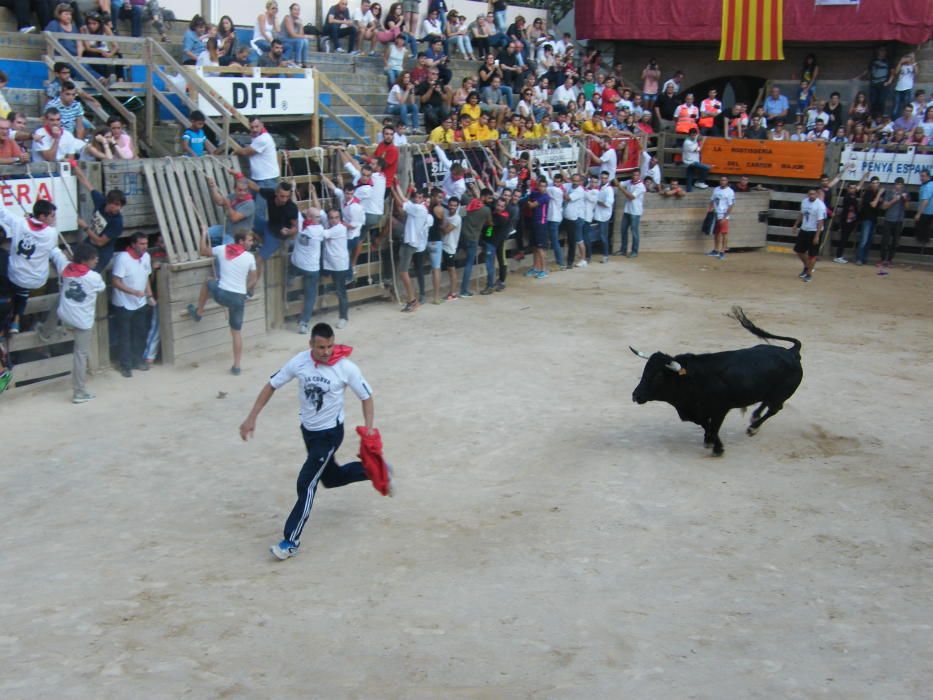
320 388
635 207
233 273
134 273
263 165
29 250
78 300
813 212
306 255
336 255
722 198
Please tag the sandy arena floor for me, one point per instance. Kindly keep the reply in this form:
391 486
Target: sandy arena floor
550 538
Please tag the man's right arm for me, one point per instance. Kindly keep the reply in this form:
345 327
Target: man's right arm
248 426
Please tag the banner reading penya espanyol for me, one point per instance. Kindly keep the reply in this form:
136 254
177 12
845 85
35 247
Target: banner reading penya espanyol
61 190
262 95
888 166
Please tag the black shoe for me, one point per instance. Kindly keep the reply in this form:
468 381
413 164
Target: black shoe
126 373
142 366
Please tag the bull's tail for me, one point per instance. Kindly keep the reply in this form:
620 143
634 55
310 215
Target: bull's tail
740 316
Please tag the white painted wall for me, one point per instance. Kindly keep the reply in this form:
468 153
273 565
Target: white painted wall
244 12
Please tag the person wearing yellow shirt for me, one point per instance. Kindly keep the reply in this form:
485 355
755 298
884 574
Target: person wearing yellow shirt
515 129
534 131
443 133
471 107
595 125
483 132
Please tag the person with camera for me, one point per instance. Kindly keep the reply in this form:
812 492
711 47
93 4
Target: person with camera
434 97
436 56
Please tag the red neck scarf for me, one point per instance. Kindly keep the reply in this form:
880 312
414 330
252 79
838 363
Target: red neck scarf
233 251
475 204
134 254
340 352
75 270
240 200
35 224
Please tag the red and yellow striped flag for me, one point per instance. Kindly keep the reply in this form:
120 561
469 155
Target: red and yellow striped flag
752 30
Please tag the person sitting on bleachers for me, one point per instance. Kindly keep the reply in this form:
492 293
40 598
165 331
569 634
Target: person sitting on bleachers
98 30
51 142
293 36
275 57
338 24
64 22
11 153
193 43
123 147
71 110
366 25
226 40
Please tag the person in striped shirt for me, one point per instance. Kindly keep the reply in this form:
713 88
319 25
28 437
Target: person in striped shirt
70 108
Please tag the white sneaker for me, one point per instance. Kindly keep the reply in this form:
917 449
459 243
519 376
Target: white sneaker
284 549
841 261
303 328
582 263
81 397
702 185
342 323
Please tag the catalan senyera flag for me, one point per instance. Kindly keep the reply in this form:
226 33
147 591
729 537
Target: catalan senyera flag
752 30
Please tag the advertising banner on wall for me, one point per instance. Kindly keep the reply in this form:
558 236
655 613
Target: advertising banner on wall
262 96
23 191
787 159
886 166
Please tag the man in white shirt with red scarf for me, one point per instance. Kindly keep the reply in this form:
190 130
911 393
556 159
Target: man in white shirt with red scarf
132 291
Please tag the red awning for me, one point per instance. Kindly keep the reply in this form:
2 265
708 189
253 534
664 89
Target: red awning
908 21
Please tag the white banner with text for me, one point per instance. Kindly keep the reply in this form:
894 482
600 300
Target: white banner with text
262 96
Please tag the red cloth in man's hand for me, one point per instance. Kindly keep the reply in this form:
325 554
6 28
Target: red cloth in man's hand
373 463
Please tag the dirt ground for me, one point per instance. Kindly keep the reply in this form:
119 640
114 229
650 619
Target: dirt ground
549 539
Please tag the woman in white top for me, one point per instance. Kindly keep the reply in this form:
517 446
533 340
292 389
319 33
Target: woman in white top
927 123
293 36
457 35
394 59
401 101
264 29
431 26
907 72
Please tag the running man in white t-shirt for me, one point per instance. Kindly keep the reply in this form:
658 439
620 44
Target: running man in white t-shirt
323 375
236 268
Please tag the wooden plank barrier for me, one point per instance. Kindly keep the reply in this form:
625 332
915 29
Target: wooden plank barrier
672 225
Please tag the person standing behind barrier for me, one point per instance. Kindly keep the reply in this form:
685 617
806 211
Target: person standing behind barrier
335 262
538 204
31 242
848 216
263 163
555 215
573 217
494 238
237 273
449 242
132 291
605 206
306 260
194 141
370 181
417 223
634 192
869 209
710 109
353 218
388 151
438 227
77 303
721 203
810 222
892 223
477 217
239 210
107 221
691 159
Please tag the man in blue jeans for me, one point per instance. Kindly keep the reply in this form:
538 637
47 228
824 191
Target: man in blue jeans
868 214
323 376
634 193
696 171
282 221
477 217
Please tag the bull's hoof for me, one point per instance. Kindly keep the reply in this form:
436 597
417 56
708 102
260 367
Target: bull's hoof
751 431
718 452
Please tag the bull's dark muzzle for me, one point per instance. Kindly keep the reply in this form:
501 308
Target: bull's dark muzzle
639 398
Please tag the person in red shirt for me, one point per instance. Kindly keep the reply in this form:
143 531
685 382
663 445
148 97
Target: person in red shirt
10 151
388 151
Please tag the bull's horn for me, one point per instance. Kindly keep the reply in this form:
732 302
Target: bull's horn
638 352
674 366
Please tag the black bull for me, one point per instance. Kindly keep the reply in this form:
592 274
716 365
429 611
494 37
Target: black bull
704 388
